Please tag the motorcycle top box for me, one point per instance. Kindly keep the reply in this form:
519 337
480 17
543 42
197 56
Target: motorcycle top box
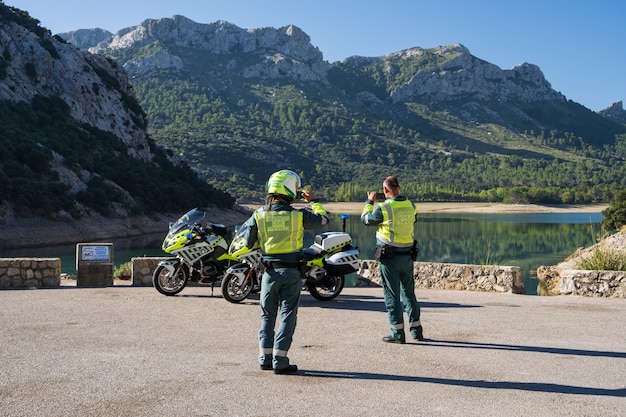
330 241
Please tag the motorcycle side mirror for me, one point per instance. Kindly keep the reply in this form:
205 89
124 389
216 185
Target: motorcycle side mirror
170 224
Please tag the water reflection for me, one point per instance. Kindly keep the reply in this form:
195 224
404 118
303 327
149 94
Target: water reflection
524 240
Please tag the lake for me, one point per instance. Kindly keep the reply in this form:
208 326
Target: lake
514 239
527 240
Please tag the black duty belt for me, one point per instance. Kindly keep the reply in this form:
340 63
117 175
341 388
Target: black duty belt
277 264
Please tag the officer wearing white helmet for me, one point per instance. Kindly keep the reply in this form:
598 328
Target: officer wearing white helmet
278 229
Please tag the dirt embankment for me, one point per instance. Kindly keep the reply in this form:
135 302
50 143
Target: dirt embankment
18 233
477 208
357 207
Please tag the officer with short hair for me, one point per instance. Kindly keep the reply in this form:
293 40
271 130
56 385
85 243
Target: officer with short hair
278 228
396 251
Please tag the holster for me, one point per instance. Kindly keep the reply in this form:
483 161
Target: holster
385 252
414 251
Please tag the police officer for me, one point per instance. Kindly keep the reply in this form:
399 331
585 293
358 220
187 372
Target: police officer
278 229
395 250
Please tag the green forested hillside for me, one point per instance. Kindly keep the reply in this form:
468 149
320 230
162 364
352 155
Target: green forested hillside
54 161
33 136
236 135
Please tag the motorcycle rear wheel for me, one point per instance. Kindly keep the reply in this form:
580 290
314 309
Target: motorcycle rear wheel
327 288
234 290
167 283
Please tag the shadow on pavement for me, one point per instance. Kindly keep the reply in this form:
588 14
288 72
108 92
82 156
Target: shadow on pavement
539 349
504 385
369 303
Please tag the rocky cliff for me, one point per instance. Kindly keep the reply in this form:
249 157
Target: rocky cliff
95 88
615 112
86 38
73 140
286 51
461 75
215 91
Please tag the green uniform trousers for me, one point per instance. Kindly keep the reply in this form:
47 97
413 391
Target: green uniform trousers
280 294
399 293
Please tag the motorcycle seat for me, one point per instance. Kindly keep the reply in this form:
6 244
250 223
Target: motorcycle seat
310 253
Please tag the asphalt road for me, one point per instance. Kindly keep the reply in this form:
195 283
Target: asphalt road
130 351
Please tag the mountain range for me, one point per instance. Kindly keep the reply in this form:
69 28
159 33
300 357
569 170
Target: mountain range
172 113
239 103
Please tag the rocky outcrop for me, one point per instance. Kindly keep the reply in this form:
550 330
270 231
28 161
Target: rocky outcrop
74 137
86 38
158 60
464 75
615 112
283 52
96 89
567 278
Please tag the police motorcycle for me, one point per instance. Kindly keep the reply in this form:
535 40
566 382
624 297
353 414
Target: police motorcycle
324 266
200 254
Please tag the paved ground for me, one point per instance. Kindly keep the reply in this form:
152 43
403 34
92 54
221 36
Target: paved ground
129 351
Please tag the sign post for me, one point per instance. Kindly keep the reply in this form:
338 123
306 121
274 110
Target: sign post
94 264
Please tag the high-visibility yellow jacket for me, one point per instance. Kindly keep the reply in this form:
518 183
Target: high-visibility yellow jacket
395 219
280 231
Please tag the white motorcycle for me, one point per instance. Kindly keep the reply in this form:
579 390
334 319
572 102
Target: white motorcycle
200 254
324 266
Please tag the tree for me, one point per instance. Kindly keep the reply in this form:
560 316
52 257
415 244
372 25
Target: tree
615 214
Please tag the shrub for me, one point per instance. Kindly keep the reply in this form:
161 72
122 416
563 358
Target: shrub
615 214
124 271
604 260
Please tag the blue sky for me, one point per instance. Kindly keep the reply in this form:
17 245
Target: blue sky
579 45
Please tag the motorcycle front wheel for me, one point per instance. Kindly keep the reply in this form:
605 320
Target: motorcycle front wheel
167 283
235 288
326 288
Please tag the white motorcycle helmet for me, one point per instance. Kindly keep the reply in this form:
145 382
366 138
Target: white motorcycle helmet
284 182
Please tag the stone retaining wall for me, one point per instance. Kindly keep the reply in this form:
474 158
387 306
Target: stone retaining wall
30 272
443 276
142 269
557 281
427 275
46 273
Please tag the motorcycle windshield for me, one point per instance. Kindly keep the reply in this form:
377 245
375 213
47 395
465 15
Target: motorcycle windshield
186 221
240 240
